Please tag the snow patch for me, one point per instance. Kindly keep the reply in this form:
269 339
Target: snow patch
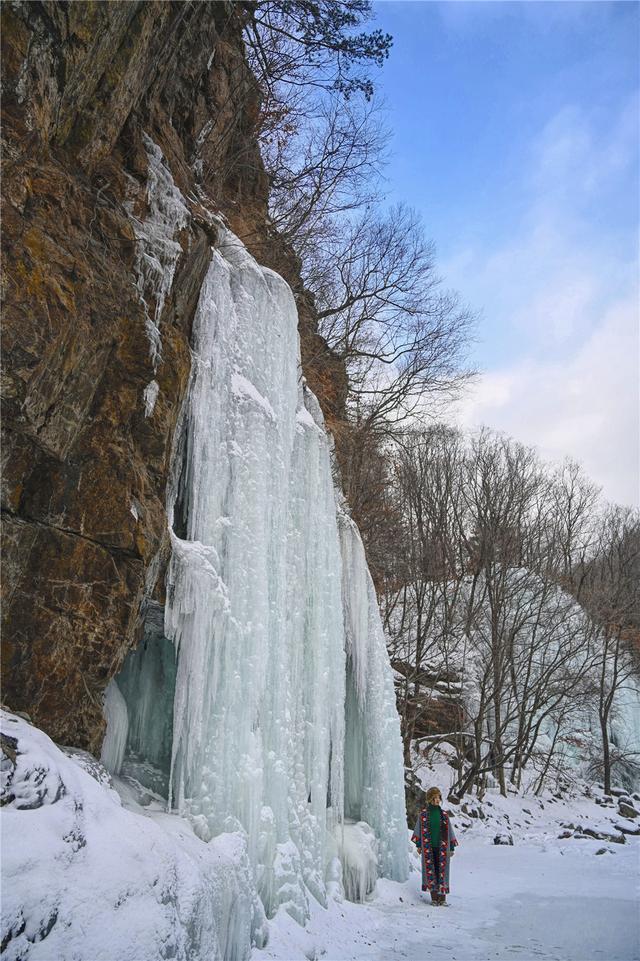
242 387
150 395
86 877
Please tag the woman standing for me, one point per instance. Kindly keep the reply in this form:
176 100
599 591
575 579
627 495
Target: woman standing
435 839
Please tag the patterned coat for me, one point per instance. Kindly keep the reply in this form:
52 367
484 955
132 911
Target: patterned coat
422 840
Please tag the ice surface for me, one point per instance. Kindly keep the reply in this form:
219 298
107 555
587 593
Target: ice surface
254 600
374 772
625 733
358 847
254 606
150 395
117 718
147 682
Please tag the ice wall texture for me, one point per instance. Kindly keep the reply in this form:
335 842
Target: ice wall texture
157 251
254 605
374 768
117 718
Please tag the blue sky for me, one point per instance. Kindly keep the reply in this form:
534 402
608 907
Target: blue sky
516 135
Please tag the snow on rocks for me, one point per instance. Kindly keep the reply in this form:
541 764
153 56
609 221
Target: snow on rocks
150 395
577 815
626 808
503 839
83 877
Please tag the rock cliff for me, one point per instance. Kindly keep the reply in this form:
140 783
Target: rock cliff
85 456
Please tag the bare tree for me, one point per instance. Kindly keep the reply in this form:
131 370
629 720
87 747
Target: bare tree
382 308
326 166
486 539
574 504
321 136
609 590
380 305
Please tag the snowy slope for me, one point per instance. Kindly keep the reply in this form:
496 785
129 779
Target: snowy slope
86 879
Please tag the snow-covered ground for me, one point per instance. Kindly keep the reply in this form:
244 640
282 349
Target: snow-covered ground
574 898
96 874
90 876
535 900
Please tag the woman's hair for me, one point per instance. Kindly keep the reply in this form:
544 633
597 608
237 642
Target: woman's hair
432 793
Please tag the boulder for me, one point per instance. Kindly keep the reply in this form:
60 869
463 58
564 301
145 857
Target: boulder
604 836
503 839
629 829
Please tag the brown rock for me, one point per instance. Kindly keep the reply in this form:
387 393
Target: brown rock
81 83
84 471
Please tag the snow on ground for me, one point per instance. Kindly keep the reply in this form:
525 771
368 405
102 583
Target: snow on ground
94 875
529 901
543 897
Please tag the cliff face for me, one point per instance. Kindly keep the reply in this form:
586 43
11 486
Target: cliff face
85 470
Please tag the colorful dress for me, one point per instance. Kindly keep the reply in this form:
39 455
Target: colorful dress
435 875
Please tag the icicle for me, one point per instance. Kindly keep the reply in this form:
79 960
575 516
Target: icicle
359 857
150 395
157 250
373 746
115 739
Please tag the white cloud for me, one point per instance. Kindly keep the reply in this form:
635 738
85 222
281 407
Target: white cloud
560 300
573 160
586 408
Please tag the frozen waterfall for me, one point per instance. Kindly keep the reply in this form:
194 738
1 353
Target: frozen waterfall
280 714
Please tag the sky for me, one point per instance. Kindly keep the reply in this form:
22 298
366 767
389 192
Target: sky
516 133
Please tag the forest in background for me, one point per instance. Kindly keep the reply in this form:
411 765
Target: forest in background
508 587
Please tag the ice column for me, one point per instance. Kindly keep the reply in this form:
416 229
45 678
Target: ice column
116 716
374 773
254 590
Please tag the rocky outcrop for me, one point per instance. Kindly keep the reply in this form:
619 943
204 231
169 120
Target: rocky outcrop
430 701
85 468
85 456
